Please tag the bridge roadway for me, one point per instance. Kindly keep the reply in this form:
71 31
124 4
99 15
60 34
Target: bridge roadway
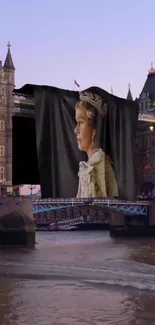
59 211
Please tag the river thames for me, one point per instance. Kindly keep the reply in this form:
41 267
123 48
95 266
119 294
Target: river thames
77 278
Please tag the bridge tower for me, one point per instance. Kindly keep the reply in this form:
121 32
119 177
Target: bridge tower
16 214
145 141
7 84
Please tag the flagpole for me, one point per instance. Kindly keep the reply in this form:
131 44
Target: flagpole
76 85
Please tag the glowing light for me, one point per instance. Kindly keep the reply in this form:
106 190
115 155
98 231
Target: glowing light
151 127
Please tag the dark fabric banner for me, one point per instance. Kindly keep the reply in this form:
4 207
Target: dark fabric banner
92 128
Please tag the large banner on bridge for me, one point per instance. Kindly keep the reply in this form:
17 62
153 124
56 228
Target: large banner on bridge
84 146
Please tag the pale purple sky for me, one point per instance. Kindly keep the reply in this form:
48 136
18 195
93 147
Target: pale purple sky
97 42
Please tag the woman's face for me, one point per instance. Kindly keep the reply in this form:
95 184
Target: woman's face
84 131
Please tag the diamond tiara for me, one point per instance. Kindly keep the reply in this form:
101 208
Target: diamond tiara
95 100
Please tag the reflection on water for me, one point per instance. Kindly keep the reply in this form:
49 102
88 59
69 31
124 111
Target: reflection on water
79 279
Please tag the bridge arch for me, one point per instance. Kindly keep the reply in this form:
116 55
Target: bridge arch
148 189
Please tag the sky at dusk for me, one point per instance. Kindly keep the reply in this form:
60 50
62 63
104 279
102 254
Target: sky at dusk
106 43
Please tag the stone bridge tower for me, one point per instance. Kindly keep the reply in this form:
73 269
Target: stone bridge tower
145 141
7 84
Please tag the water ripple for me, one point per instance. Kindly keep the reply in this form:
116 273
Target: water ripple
81 280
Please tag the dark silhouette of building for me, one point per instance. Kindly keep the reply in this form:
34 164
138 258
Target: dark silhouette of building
145 140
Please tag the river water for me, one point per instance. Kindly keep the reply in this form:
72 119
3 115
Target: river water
77 278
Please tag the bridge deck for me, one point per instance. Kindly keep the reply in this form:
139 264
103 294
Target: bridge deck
139 208
74 201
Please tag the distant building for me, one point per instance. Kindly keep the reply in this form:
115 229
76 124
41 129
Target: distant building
7 84
145 140
9 105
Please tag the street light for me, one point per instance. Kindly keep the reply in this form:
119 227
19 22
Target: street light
151 128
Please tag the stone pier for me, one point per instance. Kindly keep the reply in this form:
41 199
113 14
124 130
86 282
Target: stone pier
117 223
126 225
17 227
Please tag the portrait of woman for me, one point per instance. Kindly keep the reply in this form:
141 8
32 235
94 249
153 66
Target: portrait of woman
96 176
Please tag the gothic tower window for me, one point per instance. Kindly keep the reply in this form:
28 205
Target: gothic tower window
2 125
1 173
146 105
1 170
3 91
1 177
141 106
3 95
2 151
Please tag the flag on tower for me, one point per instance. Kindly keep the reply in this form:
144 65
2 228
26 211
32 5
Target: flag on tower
76 83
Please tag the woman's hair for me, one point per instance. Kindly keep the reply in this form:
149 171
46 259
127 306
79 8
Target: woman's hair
91 111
